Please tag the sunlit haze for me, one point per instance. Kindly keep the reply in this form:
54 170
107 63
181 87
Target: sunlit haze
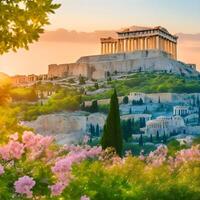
62 46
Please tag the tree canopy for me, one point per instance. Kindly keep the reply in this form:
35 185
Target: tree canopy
22 21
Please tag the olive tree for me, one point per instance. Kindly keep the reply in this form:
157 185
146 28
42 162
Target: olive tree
22 21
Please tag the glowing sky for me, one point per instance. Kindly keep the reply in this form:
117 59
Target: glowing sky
178 16
88 15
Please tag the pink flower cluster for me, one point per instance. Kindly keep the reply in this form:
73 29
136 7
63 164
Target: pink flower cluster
1 170
36 144
186 155
12 150
157 157
63 166
85 198
24 185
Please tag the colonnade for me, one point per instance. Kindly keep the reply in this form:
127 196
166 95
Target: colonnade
122 45
109 47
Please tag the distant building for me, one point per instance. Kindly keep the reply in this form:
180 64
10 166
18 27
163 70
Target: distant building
164 124
32 78
19 80
128 40
181 110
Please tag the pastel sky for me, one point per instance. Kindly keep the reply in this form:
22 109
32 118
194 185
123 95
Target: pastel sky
86 16
89 15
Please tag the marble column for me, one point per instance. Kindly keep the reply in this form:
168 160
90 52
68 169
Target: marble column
130 44
122 43
119 46
115 47
157 43
143 43
135 45
104 48
101 47
138 44
175 51
164 41
126 45
168 50
107 48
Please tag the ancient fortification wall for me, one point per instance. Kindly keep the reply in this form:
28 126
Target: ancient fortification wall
98 66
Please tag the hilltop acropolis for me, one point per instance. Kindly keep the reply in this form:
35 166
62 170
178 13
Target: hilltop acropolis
128 40
152 50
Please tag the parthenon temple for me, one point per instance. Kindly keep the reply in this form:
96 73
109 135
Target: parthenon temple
157 38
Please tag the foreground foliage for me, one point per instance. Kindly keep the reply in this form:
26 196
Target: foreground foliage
22 21
34 167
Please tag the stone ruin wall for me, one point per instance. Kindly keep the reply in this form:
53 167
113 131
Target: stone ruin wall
97 66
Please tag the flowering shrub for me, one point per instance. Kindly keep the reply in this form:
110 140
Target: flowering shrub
34 167
24 185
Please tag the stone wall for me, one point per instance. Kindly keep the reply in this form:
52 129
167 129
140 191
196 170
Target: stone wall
97 66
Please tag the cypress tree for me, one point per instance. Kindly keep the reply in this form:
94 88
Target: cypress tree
112 134
151 138
141 140
97 130
157 136
164 138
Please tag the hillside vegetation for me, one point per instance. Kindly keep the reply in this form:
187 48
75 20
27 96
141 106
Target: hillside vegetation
151 83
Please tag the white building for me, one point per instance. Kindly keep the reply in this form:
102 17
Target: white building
181 110
164 125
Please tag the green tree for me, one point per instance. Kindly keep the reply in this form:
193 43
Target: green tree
94 106
157 136
97 130
151 138
81 80
164 138
22 22
125 100
141 140
112 134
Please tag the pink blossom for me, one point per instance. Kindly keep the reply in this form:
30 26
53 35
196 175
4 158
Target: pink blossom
157 157
57 189
24 185
36 144
16 149
4 152
187 155
63 166
12 150
85 198
1 170
28 138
